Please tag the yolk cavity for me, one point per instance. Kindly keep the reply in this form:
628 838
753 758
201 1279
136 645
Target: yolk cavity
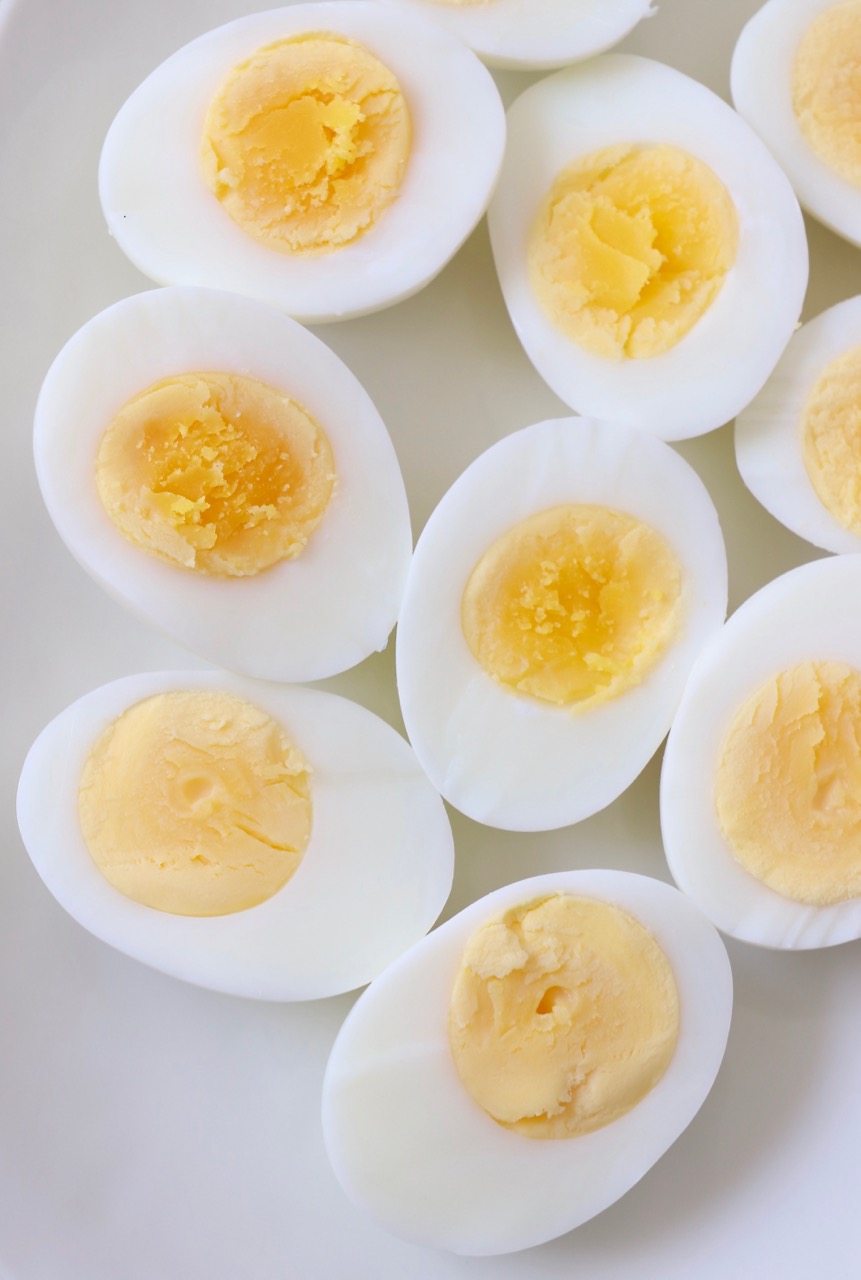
630 247
564 1014
215 472
831 439
573 604
826 88
306 143
195 802
788 787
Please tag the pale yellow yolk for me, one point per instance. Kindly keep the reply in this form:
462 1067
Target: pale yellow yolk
788 788
196 803
831 439
630 247
573 605
564 1014
826 88
215 472
306 143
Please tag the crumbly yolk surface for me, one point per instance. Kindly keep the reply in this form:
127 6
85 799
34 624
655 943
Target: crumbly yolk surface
831 439
215 472
564 1014
573 605
826 88
196 803
306 143
788 787
630 247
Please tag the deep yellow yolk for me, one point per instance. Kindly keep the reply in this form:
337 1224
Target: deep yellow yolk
196 803
573 605
831 439
630 247
306 143
826 88
215 472
788 788
564 1014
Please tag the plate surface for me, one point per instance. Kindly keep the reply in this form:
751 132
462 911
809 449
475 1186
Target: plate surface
148 1128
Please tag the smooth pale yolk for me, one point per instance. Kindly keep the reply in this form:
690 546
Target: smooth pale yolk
306 143
196 803
630 247
826 88
564 1014
788 787
573 604
215 472
831 439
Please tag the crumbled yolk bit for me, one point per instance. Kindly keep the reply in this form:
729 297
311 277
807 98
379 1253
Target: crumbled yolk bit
573 605
831 439
563 1016
630 247
306 143
826 88
215 472
788 786
195 802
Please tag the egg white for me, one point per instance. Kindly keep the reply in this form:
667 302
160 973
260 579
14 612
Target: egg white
720 364
300 619
374 877
808 614
170 225
768 438
507 760
415 1151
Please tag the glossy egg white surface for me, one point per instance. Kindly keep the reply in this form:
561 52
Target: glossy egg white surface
414 1150
536 34
768 438
720 364
166 220
512 761
373 879
300 619
761 81
808 614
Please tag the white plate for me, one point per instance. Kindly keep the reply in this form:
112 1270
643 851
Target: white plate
153 1131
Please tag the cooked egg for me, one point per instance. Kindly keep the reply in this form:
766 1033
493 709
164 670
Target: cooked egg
216 468
556 602
536 33
277 843
558 960
761 782
651 253
798 444
794 79
300 156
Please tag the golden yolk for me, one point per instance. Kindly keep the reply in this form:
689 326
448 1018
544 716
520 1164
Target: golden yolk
788 787
826 88
306 143
215 472
573 605
630 247
831 439
195 802
564 1014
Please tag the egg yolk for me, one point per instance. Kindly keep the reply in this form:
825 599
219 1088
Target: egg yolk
563 1016
306 143
826 88
831 439
196 803
573 605
788 787
215 472
630 247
